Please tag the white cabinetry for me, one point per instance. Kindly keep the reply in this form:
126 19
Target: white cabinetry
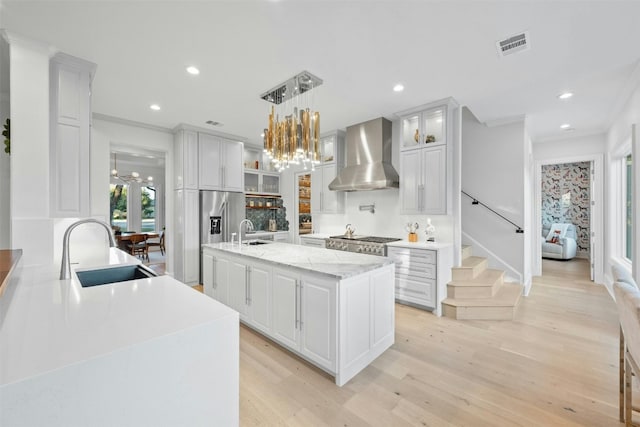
324 200
187 239
422 275
186 159
423 180
215 277
312 241
261 182
70 120
220 164
300 310
425 158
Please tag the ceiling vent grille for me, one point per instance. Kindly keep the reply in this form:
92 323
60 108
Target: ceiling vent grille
213 123
514 44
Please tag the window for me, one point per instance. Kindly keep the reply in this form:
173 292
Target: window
628 207
148 198
118 205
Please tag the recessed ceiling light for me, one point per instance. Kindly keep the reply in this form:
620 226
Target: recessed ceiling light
565 95
398 88
193 70
565 126
154 107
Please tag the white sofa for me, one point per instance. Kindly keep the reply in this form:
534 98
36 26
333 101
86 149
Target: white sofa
565 248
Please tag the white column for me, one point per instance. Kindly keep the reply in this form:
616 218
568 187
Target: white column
31 227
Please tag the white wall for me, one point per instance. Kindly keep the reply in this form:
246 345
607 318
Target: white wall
493 171
5 176
618 142
572 146
134 138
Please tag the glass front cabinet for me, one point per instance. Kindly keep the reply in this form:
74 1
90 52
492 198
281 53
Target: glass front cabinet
425 158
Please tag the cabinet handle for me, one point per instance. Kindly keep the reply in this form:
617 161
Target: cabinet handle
297 321
301 322
224 176
246 285
215 285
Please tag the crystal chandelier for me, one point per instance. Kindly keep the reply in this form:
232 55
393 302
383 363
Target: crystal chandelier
293 131
133 177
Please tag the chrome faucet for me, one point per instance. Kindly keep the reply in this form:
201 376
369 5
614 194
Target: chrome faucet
65 267
249 227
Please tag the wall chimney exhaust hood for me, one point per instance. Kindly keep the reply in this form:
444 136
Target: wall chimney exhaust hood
368 158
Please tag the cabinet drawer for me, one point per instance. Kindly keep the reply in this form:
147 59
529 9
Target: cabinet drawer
427 271
318 243
416 255
423 291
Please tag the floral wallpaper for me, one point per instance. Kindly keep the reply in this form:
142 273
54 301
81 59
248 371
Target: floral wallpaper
565 198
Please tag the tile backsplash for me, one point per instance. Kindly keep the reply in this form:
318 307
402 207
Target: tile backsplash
261 209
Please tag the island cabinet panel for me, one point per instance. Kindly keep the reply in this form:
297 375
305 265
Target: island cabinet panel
259 298
221 279
285 308
339 323
207 275
318 320
238 281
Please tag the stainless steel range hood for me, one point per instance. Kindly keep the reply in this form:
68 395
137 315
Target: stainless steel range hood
368 158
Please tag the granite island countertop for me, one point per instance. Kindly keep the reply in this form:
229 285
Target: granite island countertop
307 259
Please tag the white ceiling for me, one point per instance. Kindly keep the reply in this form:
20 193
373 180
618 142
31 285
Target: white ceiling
359 48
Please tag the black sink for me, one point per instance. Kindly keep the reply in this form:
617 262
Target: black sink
105 276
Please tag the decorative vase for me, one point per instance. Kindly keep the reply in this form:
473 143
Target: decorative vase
417 136
413 237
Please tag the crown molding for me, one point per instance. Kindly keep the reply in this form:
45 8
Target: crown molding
121 121
184 126
19 40
574 135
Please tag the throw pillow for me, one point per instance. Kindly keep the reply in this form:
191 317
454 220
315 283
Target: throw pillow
555 237
563 231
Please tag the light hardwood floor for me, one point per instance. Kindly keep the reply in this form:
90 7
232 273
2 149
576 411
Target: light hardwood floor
556 364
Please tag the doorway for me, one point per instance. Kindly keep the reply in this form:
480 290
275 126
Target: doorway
304 223
570 190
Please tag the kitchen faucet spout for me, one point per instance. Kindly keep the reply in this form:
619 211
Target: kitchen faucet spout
249 227
65 267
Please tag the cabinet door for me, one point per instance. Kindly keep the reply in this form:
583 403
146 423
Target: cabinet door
316 191
191 237
208 274
260 297
332 201
410 182
238 288
285 308
190 160
434 180
318 320
328 149
412 134
209 173
433 126
221 280
232 167
271 184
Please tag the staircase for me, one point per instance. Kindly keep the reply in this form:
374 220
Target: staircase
477 292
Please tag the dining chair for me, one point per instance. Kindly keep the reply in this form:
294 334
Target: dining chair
138 245
159 243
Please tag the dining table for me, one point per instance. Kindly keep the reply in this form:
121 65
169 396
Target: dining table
123 238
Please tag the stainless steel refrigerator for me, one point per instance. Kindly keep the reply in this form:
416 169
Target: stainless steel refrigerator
220 215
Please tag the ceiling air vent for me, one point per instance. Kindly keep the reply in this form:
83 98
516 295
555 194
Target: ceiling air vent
514 44
213 123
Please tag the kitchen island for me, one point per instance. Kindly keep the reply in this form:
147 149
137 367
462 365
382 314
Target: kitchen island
147 351
335 309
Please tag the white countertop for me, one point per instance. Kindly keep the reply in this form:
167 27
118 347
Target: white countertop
310 259
260 233
420 245
47 323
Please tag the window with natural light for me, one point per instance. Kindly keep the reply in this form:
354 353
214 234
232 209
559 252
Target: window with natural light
148 208
628 238
118 205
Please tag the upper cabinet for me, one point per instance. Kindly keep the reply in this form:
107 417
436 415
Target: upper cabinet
425 158
427 127
332 148
186 160
220 164
70 122
207 162
324 200
260 176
